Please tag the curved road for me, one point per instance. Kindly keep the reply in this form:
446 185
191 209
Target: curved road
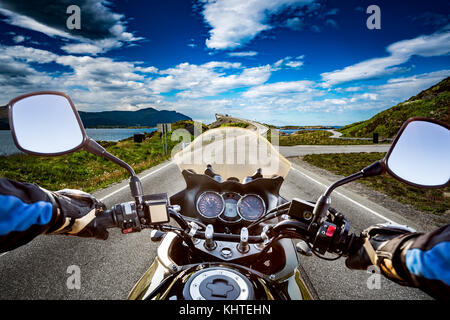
110 268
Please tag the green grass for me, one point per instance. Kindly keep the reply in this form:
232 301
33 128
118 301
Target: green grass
316 137
235 124
188 125
82 170
425 200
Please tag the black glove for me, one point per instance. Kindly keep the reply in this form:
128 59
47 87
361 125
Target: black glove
382 247
77 211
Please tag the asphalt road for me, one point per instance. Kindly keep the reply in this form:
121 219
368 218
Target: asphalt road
110 268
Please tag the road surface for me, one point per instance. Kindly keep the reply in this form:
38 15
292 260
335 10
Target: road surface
108 269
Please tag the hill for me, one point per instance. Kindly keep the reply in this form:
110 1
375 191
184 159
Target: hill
148 117
433 102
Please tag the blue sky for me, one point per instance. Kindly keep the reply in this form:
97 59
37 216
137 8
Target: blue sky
301 62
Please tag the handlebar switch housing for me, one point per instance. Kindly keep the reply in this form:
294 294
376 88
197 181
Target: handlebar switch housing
127 217
324 237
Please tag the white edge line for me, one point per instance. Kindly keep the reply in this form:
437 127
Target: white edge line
379 215
142 178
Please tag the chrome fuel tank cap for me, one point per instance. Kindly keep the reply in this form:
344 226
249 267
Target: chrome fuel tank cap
218 284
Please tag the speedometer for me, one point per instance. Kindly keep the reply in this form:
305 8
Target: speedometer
251 207
210 204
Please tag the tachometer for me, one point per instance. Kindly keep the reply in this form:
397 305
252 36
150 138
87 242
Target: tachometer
210 204
251 207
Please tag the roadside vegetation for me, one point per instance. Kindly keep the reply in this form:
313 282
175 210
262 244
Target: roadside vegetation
83 170
235 124
435 201
316 137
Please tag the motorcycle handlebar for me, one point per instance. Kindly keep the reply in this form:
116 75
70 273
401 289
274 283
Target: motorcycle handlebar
228 237
290 228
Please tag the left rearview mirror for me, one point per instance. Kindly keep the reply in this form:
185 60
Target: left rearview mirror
46 123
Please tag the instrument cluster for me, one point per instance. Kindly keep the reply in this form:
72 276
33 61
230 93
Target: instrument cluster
230 207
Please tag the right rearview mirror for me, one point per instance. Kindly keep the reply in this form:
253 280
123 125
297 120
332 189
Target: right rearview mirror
420 154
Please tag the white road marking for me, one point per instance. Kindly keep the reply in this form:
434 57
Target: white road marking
379 215
142 178
2 254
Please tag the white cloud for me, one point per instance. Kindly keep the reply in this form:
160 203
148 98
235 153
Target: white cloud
147 69
352 89
288 62
364 96
208 79
336 101
294 64
243 54
278 88
236 22
19 39
404 87
436 44
78 48
28 54
31 24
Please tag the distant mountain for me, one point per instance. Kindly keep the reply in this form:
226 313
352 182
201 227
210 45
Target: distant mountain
433 102
145 118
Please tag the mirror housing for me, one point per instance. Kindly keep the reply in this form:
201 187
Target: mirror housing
435 155
55 129
30 120
420 154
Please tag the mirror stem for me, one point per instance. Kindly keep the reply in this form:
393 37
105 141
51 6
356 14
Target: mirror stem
324 202
93 147
135 183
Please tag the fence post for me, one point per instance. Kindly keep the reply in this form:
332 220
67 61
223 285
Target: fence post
375 137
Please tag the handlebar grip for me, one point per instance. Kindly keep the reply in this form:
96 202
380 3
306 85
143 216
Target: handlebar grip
107 219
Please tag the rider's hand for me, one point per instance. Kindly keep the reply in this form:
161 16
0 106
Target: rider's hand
77 212
382 245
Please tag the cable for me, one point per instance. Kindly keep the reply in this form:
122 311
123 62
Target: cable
321 256
195 221
269 215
